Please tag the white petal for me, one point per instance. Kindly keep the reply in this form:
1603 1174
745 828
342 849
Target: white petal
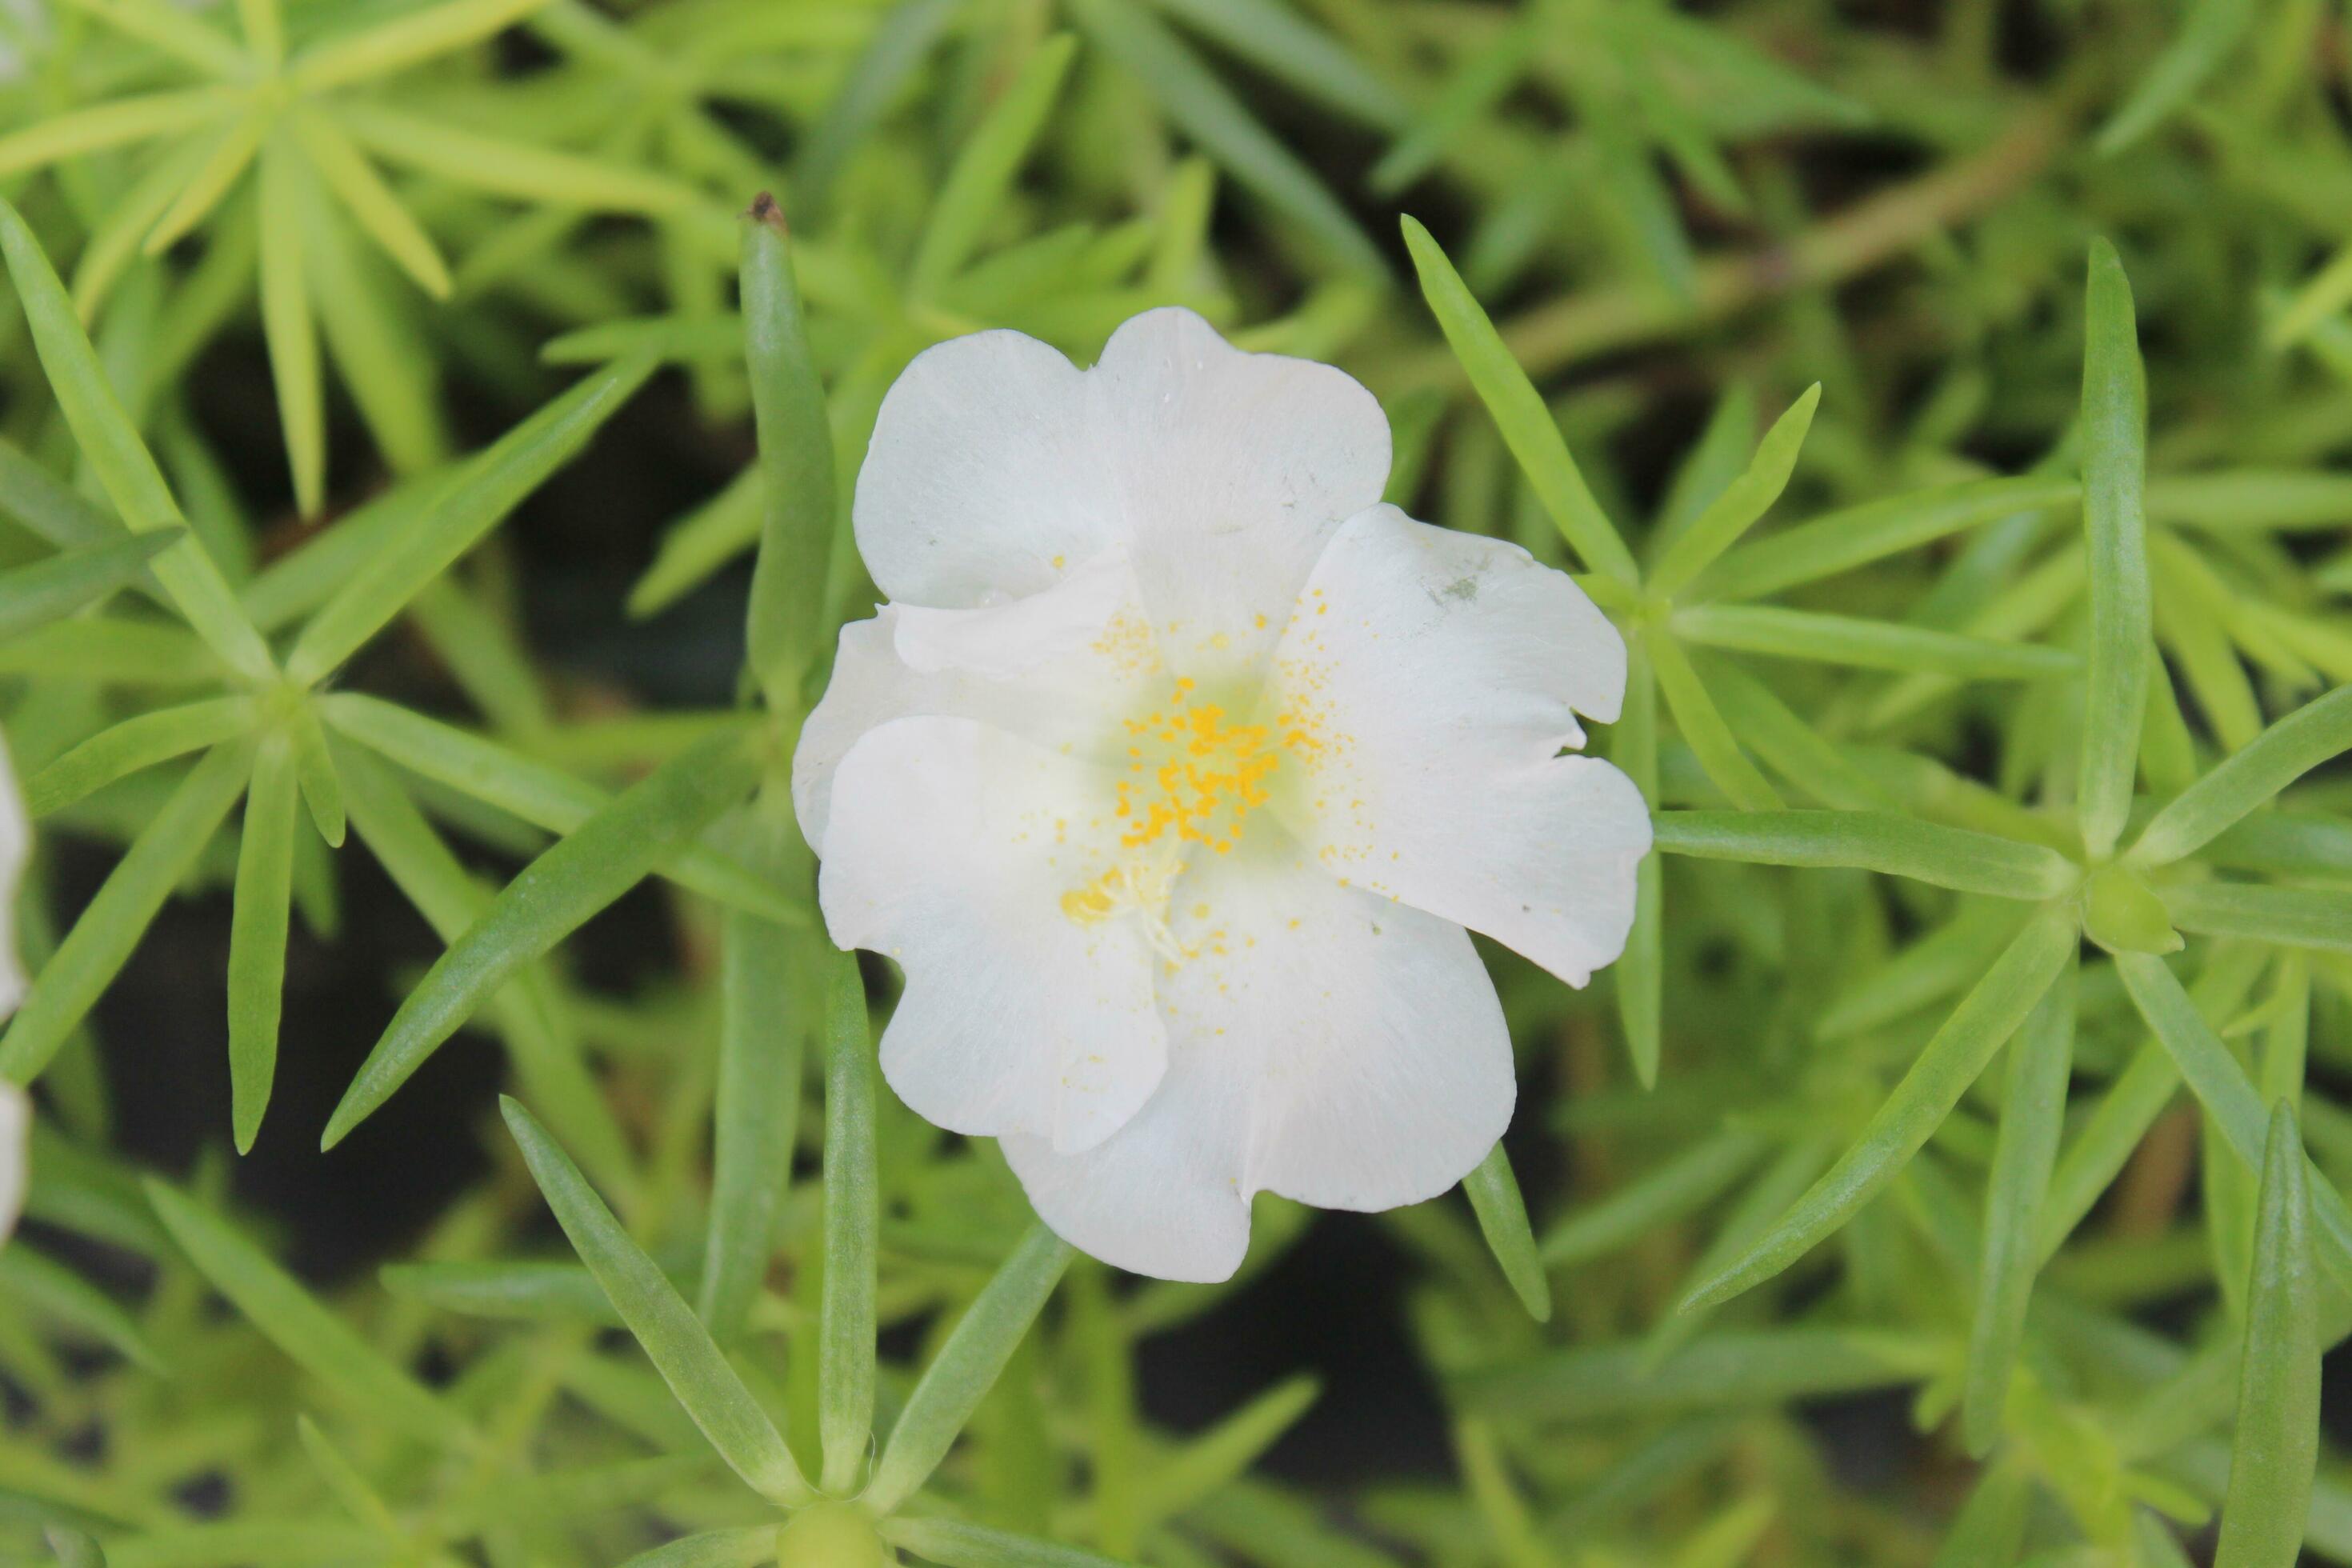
1231 469
1323 1043
16 1130
982 479
1440 674
951 847
1054 668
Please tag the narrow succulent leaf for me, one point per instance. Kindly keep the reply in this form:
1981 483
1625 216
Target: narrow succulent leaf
403 40
1990 1526
1221 1455
1820 638
749 1548
1799 753
694 548
507 166
2032 1115
1279 40
346 172
1640 974
472 503
1702 727
2291 917
2115 529
50 590
1518 412
603 858
1475 82
974 191
314 771
175 32
317 1339
231 154
1946 1066
952 1387
2276 1446
1742 503
94 952
2283 754
954 1544
1494 1193
2209 33
287 327
853 1220
1870 840
1679 1187
673 1337
257 938
111 444
59 1294
755 1111
1732 1371
140 117
50 507
902 36
1855 536
523 1292
1195 99
547 1057
796 480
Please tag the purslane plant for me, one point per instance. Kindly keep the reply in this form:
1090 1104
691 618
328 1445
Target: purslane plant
2044 677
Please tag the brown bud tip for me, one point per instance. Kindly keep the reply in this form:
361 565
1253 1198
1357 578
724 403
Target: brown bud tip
764 209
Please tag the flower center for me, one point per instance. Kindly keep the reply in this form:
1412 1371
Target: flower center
1194 775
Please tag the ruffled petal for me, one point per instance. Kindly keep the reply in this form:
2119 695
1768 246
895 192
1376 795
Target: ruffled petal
952 848
1436 677
1053 668
1231 470
1323 1043
982 480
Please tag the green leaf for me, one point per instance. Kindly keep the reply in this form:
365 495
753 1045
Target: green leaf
1799 753
1518 412
1475 82
548 900
94 952
510 166
1873 841
1945 1068
469 506
752 1548
2115 532
1221 1455
314 771
952 1387
287 327
1702 727
1744 501
403 40
111 444
137 742
674 1339
346 173
1990 1526
974 191
343 1480
50 507
1856 535
540 794
529 1015
2277 1443
257 938
113 124
699 543
2122 914
2292 916
755 1114
1190 95
229 154
1611 1383
51 590
2208 36
39 1282
2277 758
787 622
525 1292
2032 1115
852 1217
73 1549
315 1338
1494 1194
1641 972
1278 40
1654 1199
952 1544
1822 638
902 36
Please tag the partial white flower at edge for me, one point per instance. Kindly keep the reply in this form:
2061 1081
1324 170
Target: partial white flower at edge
1175 768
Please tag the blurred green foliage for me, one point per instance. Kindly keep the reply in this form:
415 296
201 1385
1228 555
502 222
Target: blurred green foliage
1986 1030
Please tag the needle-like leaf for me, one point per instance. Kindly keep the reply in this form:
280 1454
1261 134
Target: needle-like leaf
2277 1443
256 939
2114 527
853 1219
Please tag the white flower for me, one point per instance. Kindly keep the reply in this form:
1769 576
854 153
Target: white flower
1172 772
